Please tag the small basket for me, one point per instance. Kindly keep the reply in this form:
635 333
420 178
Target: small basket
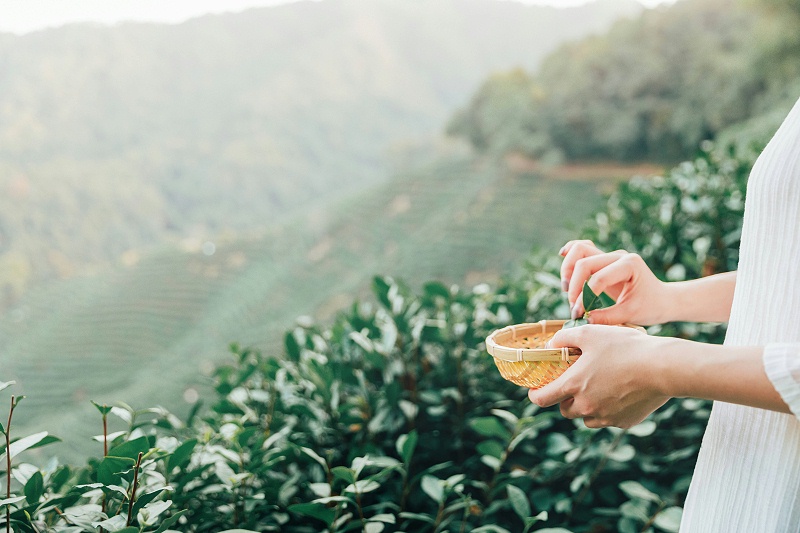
521 357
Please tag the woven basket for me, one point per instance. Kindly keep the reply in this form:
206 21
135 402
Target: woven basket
521 357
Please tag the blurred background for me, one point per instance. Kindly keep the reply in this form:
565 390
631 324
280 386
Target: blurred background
176 177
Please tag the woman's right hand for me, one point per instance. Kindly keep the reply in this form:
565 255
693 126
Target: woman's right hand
641 297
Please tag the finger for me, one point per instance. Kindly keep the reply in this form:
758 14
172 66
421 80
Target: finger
586 267
567 247
567 408
621 271
551 394
616 314
579 250
569 338
595 423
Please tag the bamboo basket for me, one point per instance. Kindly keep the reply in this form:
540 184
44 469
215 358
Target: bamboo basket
521 357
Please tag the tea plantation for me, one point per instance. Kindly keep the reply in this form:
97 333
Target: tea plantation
391 417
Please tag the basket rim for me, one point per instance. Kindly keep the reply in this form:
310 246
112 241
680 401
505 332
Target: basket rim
516 355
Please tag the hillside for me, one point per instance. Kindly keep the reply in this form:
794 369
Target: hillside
143 333
117 138
651 89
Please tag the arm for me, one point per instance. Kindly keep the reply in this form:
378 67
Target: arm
733 374
701 300
623 375
641 297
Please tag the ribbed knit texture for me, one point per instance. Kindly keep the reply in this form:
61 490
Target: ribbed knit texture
747 478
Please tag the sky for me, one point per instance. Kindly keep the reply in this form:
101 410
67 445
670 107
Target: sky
23 16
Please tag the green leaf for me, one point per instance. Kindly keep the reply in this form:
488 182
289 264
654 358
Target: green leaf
315 510
363 486
669 519
314 455
623 453
110 468
519 501
145 499
406 444
182 454
168 522
644 429
37 440
574 323
148 515
113 524
591 301
635 490
104 409
491 447
490 426
34 488
11 501
131 448
509 417
417 516
433 487
490 528
343 473
435 288
374 527
292 347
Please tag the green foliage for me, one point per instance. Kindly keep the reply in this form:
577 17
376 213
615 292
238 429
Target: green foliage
394 418
685 224
651 89
177 309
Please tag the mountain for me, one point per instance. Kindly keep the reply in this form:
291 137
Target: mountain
120 138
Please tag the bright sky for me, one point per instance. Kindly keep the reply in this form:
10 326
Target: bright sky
22 16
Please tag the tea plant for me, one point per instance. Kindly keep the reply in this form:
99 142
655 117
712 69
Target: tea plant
393 418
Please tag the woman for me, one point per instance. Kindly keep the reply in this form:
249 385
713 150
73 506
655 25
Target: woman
747 477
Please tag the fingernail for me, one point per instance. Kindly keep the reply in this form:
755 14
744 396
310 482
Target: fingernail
564 285
561 251
575 311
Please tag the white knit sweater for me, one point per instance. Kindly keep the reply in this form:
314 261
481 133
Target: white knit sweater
747 478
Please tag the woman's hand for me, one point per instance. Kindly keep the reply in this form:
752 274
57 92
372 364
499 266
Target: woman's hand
641 297
613 382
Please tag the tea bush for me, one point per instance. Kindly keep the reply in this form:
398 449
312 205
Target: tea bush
393 418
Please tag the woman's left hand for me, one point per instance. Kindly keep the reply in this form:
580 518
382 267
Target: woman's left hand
613 382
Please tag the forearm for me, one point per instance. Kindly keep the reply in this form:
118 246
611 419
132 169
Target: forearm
734 374
706 299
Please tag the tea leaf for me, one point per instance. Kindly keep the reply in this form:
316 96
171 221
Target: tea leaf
519 501
592 301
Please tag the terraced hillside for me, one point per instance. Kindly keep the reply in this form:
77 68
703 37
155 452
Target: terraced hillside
143 333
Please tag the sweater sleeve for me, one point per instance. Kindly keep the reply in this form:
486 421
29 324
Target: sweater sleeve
782 364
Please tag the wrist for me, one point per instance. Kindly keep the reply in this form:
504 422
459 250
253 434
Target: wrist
669 366
671 300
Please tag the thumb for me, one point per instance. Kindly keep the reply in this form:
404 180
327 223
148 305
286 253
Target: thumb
609 316
551 394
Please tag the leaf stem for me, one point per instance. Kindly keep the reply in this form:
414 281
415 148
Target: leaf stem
105 454
8 462
133 489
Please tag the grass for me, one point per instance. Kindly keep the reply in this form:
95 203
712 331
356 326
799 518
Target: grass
143 333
